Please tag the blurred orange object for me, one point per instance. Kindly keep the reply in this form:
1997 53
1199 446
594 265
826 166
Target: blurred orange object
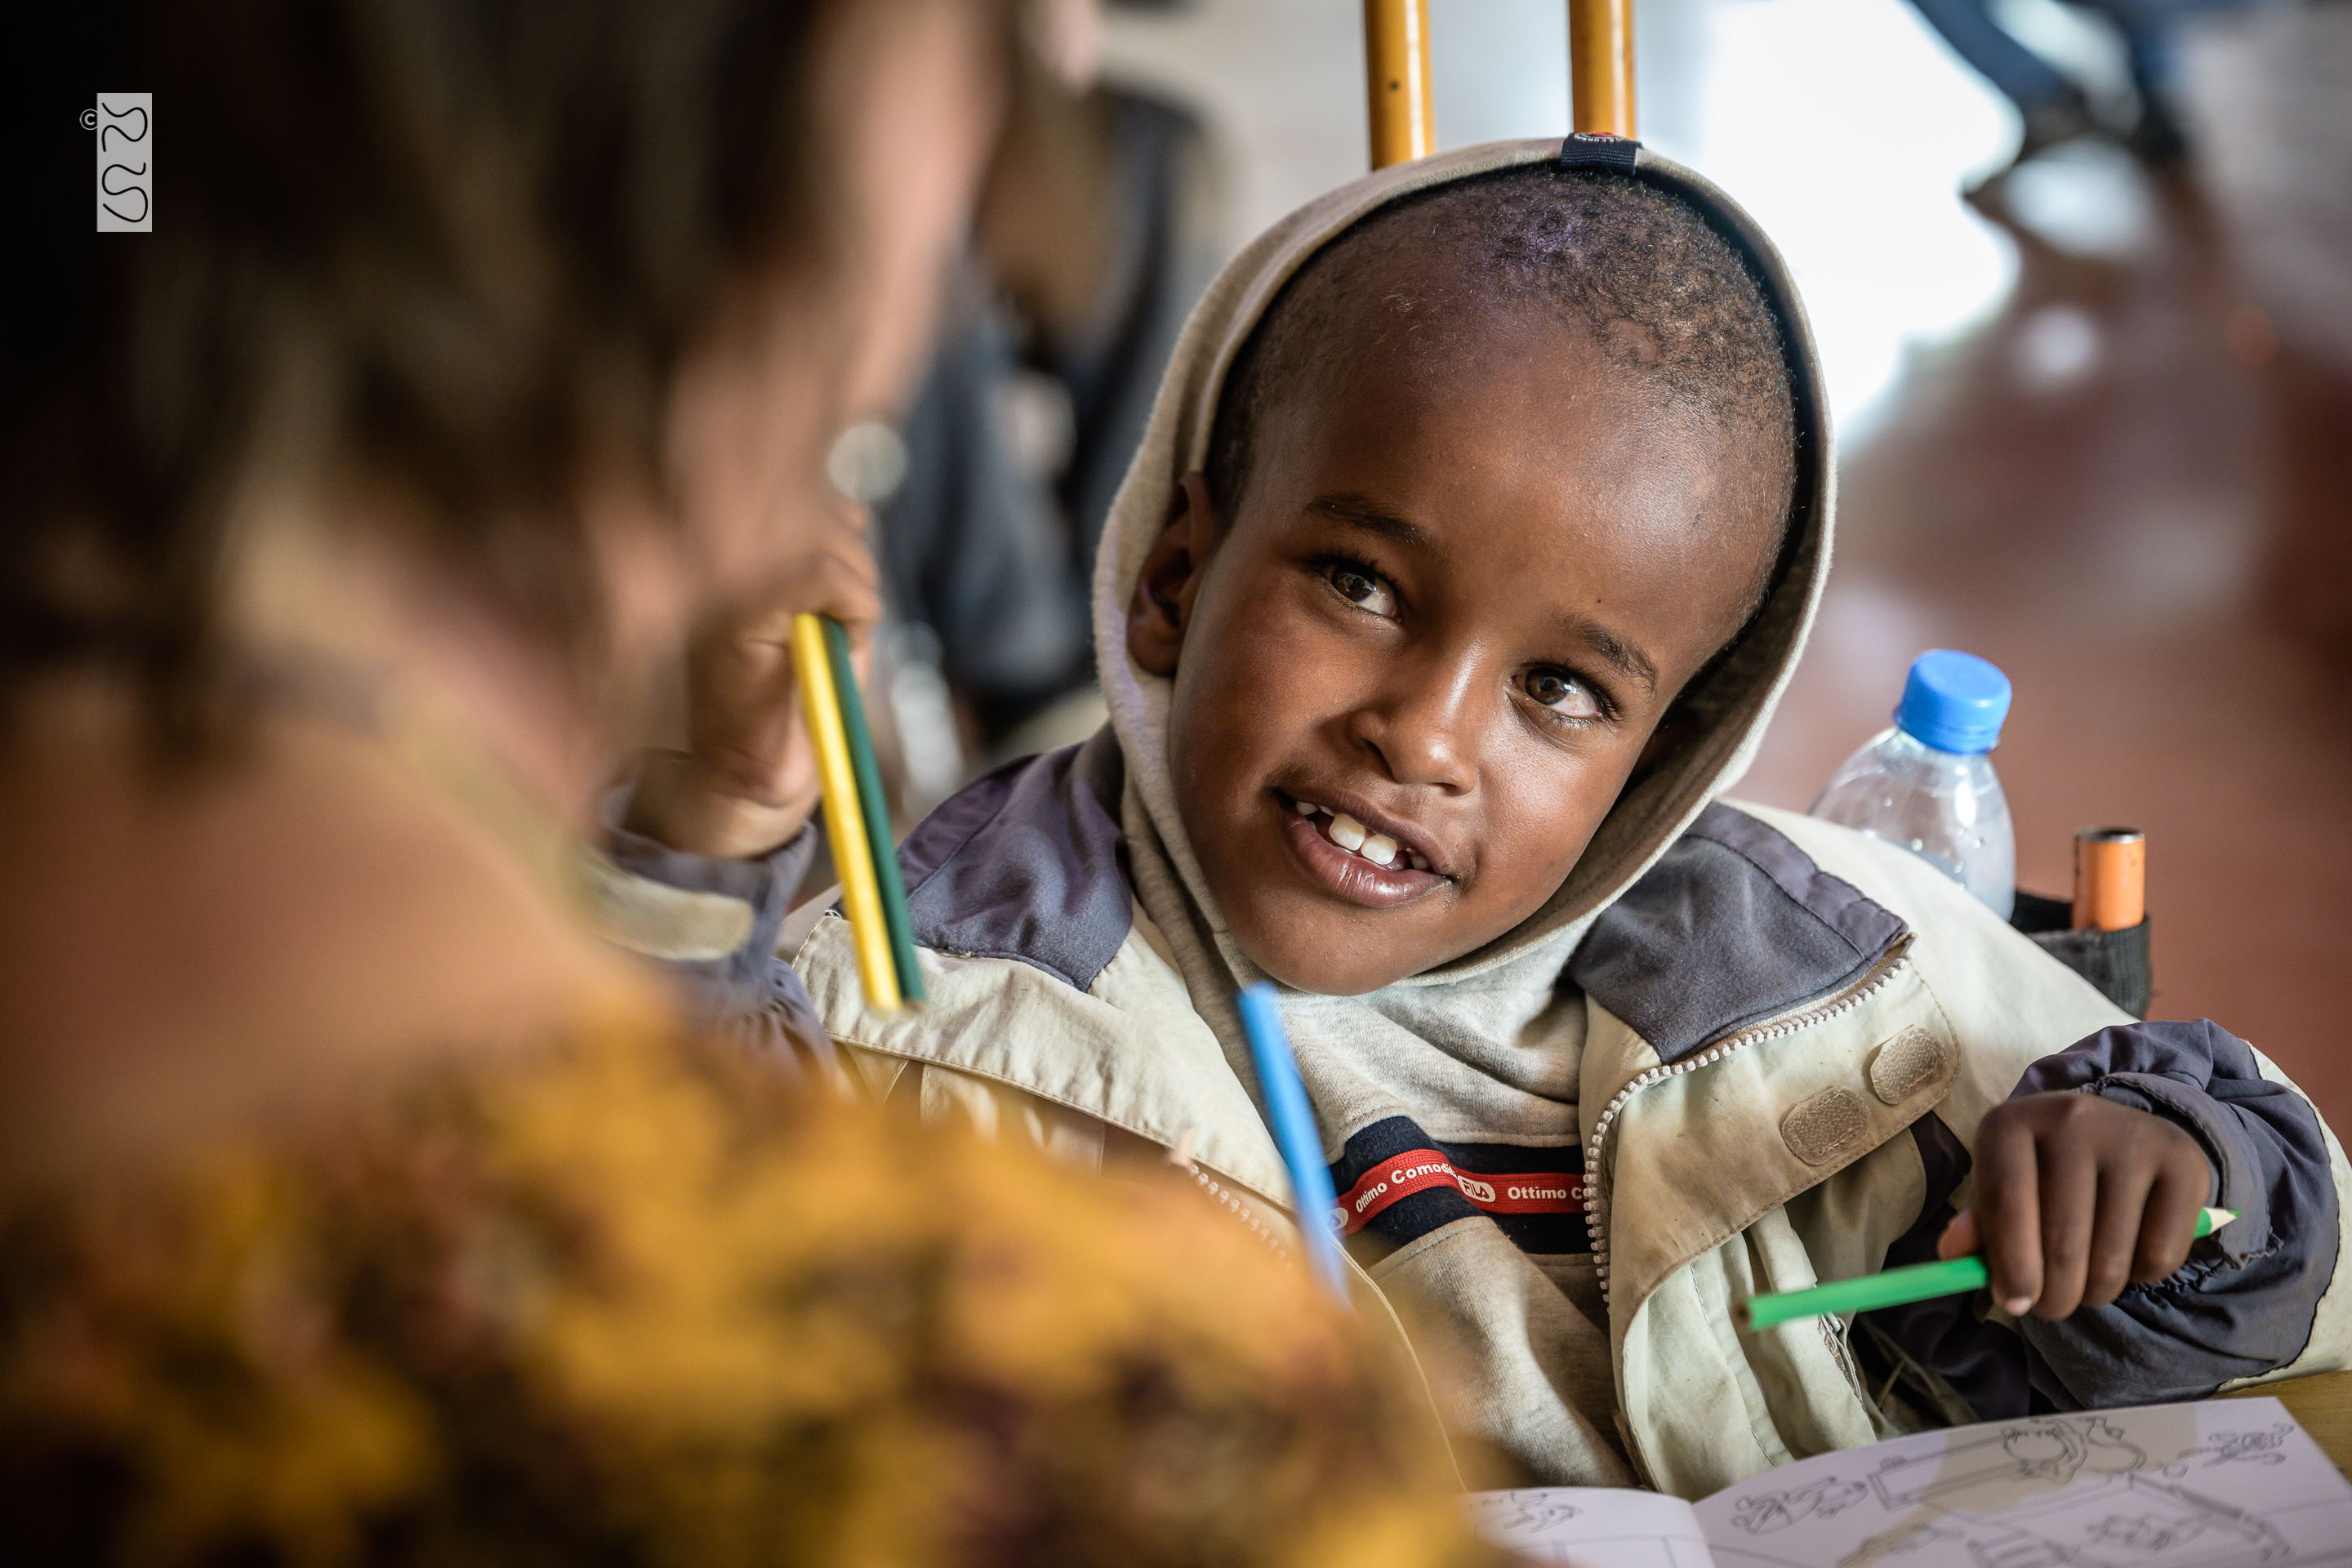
2110 878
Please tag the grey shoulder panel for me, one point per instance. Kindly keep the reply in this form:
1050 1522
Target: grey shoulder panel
1734 924
1027 863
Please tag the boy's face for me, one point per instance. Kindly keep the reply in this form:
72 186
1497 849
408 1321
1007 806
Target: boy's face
1463 585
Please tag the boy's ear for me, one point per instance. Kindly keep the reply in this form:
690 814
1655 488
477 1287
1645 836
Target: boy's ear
1162 607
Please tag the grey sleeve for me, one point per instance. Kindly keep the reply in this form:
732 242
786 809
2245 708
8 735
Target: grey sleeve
713 925
2244 1303
2246 1300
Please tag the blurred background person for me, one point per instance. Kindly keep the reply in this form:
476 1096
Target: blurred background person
357 1203
2054 108
1097 225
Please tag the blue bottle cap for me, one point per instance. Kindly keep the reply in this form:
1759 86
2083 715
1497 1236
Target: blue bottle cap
1953 701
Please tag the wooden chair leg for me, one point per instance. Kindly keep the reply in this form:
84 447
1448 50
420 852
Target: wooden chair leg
1396 80
1600 65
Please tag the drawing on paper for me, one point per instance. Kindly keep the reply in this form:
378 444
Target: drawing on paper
1776 1510
2120 1521
2049 1452
2267 1447
2124 1521
1597 1529
1530 1511
2058 1492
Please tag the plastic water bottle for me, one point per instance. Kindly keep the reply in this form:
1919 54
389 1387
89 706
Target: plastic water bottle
1928 784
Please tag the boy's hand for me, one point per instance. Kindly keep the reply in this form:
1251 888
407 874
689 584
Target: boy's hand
2076 1198
749 779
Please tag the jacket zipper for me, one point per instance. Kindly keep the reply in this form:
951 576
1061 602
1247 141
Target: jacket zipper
1238 1209
1596 1198
1224 1198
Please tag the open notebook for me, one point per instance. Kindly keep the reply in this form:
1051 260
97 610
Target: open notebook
2221 1484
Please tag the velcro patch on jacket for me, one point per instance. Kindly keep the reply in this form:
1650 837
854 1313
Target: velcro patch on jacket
1905 1065
1820 1127
1395 1180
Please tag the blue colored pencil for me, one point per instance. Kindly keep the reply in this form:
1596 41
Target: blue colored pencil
1295 1133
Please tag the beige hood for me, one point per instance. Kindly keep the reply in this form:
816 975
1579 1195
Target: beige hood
1739 699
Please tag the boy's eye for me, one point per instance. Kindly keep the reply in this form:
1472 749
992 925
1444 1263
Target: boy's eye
1360 588
1563 693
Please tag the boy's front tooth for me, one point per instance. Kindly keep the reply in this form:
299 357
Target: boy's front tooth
1347 832
1379 849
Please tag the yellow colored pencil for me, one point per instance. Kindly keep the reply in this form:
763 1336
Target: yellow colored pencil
845 824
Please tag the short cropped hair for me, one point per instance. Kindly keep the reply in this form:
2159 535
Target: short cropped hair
1657 289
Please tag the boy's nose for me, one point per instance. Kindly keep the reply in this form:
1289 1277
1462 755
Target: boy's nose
1420 728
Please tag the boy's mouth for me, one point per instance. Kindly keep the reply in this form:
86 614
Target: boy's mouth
1353 861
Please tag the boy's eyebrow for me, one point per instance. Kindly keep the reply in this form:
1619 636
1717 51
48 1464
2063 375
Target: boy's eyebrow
1619 654
1366 514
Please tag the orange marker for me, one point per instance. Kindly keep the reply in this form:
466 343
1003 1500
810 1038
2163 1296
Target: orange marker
2110 878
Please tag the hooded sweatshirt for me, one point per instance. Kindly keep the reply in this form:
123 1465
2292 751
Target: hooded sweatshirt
1737 1050
1473 1065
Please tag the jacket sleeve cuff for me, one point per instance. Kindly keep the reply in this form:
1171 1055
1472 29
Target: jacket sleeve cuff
2228 1148
2245 1302
713 923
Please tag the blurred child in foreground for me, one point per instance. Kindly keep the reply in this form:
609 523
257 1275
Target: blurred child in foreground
356 1203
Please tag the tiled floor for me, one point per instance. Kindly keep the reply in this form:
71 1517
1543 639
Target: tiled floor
2132 487
2103 437
2093 492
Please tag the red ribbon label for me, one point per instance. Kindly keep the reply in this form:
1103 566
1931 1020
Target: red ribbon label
1417 1170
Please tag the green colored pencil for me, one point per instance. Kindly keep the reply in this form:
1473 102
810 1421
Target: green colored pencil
877 812
1894 1286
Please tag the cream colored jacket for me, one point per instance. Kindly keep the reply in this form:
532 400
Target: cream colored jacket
1768 1158
1791 1033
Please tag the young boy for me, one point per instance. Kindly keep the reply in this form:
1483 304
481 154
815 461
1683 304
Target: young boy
1476 532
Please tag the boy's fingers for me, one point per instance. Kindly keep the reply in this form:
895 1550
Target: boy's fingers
1960 1237
2009 1213
2116 1233
2169 1226
2070 1194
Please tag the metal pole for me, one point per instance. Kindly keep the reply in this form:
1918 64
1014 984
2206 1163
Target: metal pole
1396 80
1600 65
